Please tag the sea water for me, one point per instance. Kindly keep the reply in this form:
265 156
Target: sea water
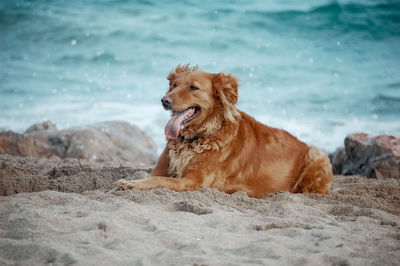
320 69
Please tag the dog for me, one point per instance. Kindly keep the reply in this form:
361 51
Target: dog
211 143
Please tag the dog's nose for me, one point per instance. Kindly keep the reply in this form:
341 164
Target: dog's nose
166 102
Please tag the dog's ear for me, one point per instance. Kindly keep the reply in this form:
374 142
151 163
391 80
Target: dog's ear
180 69
226 88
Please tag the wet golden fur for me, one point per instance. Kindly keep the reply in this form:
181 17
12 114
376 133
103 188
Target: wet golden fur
227 149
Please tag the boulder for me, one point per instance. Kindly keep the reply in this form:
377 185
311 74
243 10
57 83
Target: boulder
19 145
46 125
101 142
370 156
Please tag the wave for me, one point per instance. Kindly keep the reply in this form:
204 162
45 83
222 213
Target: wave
100 56
104 57
371 21
386 105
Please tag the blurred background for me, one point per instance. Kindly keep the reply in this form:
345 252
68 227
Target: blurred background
319 69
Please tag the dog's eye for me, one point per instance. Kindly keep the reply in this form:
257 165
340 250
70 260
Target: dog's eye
193 88
174 85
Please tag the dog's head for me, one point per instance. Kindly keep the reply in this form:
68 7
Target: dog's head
200 102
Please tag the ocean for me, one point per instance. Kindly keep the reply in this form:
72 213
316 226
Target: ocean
319 69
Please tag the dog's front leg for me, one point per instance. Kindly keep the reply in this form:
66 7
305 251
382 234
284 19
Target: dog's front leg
176 184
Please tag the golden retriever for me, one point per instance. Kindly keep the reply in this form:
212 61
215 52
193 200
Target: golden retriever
213 144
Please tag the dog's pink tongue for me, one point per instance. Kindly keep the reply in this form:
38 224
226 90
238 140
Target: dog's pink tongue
174 125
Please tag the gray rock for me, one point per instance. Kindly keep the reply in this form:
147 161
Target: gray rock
101 142
19 145
363 154
46 125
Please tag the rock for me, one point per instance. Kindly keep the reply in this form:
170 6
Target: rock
101 142
108 141
363 154
46 125
19 145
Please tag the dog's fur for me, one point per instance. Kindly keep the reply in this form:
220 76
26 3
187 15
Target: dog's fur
229 150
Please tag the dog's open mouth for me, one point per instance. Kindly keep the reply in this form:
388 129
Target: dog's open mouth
178 121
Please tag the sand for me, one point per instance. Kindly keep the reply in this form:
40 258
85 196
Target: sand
72 219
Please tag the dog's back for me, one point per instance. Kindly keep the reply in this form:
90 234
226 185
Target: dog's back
266 160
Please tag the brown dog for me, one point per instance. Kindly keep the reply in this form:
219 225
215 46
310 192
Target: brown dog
213 144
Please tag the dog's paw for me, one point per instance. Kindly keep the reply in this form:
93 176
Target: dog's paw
125 184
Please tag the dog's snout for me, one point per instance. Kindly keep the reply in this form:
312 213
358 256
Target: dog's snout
166 102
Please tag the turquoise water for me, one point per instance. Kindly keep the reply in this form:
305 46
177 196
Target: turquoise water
320 69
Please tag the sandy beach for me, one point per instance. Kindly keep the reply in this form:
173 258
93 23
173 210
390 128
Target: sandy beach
73 219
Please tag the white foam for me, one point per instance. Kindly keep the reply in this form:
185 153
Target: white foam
325 133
